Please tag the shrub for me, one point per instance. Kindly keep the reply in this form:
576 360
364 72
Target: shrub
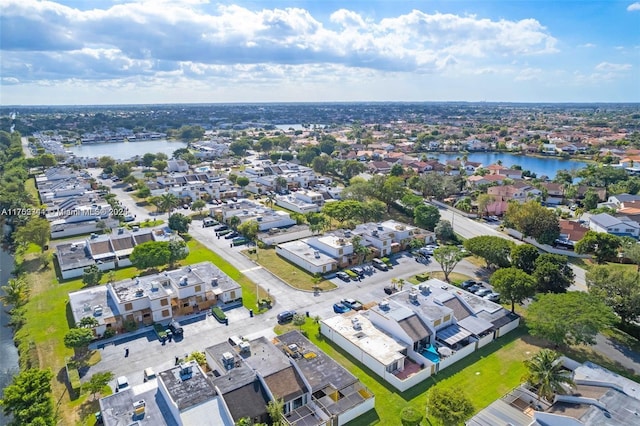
109 332
160 331
422 277
74 378
217 312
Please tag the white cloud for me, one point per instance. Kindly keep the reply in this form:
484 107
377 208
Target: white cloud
588 45
609 67
529 74
142 37
634 7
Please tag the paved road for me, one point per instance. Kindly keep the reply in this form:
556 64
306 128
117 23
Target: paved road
618 353
469 228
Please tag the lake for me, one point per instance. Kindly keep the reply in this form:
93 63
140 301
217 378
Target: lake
547 166
126 150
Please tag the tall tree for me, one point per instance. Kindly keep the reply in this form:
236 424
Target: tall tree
426 216
275 408
484 201
150 254
444 231
28 399
632 252
15 293
533 220
513 284
37 231
494 250
78 338
179 222
177 251
198 205
602 245
450 406
168 202
619 289
524 256
448 257
571 318
91 275
97 382
546 373
552 273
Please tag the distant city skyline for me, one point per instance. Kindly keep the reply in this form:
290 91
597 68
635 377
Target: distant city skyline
194 51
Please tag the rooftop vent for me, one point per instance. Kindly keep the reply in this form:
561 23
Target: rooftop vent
356 324
120 230
245 347
227 360
214 282
424 288
94 235
413 296
138 408
184 280
384 305
293 347
186 371
139 292
86 307
97 310
347 234
154 286
380 228
316 254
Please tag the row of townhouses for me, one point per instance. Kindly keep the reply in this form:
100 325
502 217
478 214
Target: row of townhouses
241 380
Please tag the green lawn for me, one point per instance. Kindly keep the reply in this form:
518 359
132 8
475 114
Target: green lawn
288 272
477 374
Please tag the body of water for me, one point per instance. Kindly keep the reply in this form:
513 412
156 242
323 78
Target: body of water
8 352
547 166
126 150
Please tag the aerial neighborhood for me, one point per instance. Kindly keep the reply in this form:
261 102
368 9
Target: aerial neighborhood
392 264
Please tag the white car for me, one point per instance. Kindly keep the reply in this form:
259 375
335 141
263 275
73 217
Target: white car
122 383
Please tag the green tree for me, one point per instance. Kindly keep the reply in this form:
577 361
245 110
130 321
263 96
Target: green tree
198 205
28 399
618 288
571 318
396 170
602 245
299 320
494 250
168 202
591 200
448 257
122 170
275 408
552 273
533 220
242 181
444 231
150 254
239 147
97 382
177 251
88 322
160 165
91 275
513 284
143 192
426 216
233 222
388 189
524 256
197 356
15 293
632 252
450 406
483 201
360 250
546 373
148 159
78 338
37 231
179 222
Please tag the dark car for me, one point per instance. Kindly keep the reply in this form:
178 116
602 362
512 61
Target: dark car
390 289
176 328
468 283
474 288
339 308
220 228
343 276
285 316
231 235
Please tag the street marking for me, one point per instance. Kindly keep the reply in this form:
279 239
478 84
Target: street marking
251 269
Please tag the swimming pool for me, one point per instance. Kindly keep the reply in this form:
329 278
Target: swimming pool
431 354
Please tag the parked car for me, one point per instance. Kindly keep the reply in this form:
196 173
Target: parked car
474 288
483 292
122 383
149 374
285 316
340 308
352 304
493 297
358 271
468 283
390 289
231 235
220 228
379 264
176 328
207 222
343 276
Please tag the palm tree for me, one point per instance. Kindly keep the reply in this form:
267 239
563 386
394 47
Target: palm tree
546 374
16 293
168 202
280 183
361 251
234 221
271 197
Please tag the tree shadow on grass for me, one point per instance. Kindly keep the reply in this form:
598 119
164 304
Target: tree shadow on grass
88 408
61 377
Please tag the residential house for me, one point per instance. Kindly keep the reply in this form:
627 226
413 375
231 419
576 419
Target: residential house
317 255
599 397
247 210
380 167
177 165
571 232
158 297
477 180
620 226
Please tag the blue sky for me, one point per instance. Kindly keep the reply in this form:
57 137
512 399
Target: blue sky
184 51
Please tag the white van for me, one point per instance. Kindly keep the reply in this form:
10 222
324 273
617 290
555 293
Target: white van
149 374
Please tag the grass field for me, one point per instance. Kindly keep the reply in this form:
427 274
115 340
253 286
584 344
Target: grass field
479 371
288 272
